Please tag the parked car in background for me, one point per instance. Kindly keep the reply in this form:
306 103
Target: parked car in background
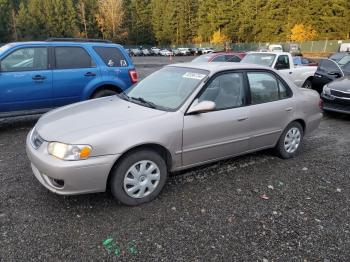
294 49
344 47
155 51
195 51
145 52
38 76
275 48
166 52
189 114
301 76
176 52
206 50
337 56
184 51
135 52
302 61
329 70
336 96
219 57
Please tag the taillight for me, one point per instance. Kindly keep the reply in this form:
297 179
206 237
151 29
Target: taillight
320 104
133 76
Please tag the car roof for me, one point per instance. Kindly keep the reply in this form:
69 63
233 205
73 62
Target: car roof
219 66
71 43
269 53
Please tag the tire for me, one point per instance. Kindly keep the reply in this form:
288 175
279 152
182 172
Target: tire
307 84
103 93
285 149
122 176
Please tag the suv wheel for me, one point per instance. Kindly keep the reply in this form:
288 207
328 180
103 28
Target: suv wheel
290 141
103 93
139 177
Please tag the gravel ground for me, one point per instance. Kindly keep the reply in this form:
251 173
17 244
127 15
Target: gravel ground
252 208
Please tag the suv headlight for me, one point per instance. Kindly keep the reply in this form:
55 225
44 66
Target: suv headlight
69 152
326 90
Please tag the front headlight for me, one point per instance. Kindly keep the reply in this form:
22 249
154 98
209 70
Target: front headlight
326 90
69 152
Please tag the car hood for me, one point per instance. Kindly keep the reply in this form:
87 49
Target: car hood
68 123
341 84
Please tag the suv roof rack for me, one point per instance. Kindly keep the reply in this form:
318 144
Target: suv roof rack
58 39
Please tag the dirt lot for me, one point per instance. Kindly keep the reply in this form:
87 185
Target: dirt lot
251 208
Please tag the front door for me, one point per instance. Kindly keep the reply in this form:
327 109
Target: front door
222 132
327 71
25 80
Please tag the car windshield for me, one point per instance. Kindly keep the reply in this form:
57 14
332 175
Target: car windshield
344 60
201 59
168 88
259 59
4 48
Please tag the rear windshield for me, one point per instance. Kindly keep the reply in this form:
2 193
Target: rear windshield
201 59
111 56
259 59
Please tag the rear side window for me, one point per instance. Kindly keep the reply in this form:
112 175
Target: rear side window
232 58
71 57
111 56
264 88
25 59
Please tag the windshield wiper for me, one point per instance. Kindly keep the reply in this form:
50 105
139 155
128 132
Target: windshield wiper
143 101
124 96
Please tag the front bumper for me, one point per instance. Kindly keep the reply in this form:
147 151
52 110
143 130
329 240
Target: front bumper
336 104
69 177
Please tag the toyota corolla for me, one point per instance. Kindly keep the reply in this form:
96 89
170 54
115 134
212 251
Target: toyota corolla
181 116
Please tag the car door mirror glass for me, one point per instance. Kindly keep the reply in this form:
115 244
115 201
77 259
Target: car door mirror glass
201 107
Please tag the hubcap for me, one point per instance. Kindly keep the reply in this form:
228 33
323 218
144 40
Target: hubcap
141 179
292 140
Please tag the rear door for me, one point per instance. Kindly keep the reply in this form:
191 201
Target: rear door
327 71
74 69
222 132
117 65
271 108
25 80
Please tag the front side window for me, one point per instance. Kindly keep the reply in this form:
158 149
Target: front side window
264 87
111 56
328 66
71 57
232 58
226 91
167 88
25 59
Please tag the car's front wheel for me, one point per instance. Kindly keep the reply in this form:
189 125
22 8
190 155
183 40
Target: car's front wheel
290 141
139 177
103 93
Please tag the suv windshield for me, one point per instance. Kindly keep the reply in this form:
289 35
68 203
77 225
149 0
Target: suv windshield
259 59
201 59
168 88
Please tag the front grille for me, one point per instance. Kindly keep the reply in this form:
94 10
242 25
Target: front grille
36 140
340 93
336 107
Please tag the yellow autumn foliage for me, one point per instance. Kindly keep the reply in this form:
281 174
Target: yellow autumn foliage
219 38
301 33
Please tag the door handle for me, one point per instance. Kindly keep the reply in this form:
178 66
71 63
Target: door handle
290 73
90 74
289 109
242 118
38 78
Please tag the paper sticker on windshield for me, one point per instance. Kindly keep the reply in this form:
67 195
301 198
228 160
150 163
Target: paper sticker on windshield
196 76
266 58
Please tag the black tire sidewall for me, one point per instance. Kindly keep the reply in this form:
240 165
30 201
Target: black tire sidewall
307 83
119 171
104 93
280 150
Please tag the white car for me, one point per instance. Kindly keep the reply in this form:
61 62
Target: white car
166 52
155 50
206 50
184 51
282 61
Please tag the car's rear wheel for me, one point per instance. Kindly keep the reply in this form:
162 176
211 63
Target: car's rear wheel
103 93
307 84
290 141
139 177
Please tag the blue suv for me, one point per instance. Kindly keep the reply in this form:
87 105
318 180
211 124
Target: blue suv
38 76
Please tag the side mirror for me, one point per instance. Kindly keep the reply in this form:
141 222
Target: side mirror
202 107
335 73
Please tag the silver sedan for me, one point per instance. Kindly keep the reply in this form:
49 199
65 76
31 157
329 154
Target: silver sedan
179 117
